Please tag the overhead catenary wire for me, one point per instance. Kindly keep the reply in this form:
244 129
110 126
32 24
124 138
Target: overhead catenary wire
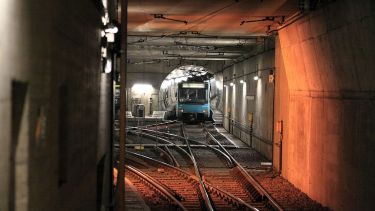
195 22
211 14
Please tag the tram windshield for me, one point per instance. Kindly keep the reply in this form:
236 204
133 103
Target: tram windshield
192 95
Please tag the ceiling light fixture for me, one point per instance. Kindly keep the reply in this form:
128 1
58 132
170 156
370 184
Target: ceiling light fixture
256 78
242 81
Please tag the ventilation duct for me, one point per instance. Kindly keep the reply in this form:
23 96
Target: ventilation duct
191 41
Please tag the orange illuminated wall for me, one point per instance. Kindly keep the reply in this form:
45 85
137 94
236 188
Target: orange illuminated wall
325 97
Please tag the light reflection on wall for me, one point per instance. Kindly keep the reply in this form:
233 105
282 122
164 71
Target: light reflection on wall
233 103
142 88
244 102
143 92
226 102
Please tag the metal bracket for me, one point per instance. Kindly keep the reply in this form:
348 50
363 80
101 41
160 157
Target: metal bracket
161 16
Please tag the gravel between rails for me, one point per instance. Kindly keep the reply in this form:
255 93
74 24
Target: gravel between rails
289 197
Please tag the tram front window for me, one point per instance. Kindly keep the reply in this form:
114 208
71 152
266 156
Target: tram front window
192 95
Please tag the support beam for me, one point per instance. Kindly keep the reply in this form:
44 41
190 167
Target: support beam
120 198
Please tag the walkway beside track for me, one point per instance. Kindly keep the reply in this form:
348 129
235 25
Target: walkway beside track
236 141
133 199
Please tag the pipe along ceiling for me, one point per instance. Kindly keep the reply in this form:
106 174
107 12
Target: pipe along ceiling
201 30
189 48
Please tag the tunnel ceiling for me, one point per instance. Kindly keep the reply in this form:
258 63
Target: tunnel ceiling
208 30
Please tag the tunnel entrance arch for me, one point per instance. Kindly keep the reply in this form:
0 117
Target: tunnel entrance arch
168 88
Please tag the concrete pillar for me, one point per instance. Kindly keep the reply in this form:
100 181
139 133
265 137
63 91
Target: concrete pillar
49 100
326 99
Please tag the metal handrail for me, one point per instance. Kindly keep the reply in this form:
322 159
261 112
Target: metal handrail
243 127
157 185
247 176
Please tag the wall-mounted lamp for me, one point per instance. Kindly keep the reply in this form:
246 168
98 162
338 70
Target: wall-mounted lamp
242 81
108 66
231 84
256 78
111 28
271 77
109 31
108 44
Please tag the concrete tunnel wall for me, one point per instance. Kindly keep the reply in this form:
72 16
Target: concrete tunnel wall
251 100
325 97
154 74
52 103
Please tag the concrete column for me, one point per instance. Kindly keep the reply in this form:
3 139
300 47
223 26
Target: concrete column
326 99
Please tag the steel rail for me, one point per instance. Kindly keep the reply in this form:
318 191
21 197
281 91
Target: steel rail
152 125
158 162
196 142
190 177
202 187
176 163
166 154
183 145
234 199
157 186
248 176
166 141
143 163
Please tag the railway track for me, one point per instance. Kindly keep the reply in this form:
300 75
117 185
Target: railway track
185 186
154 192
203 177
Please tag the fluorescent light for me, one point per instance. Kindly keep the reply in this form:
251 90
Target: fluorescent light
104 52
142 88
104 20
105 4
256 78
241 81
193 85
231 84
108 66
112 30
110 37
